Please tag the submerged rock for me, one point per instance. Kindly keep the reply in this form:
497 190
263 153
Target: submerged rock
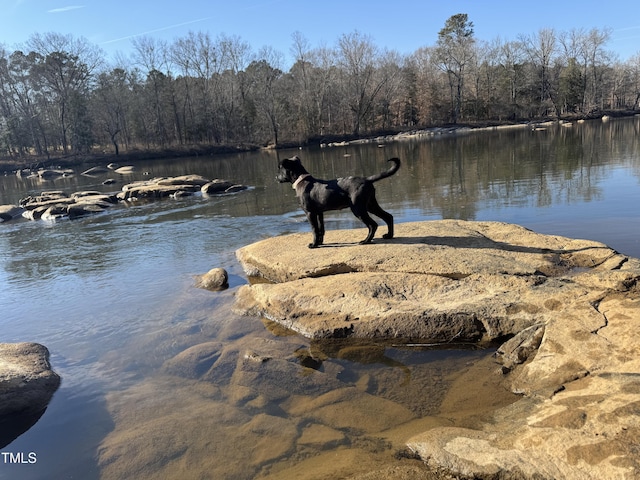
571 308
9 212
95 171
52 174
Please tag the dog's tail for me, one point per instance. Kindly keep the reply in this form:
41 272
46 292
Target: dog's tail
394 168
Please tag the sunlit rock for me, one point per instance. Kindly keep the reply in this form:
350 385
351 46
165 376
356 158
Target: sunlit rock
51 206
161 187
215 279
126 170
216 186
571 309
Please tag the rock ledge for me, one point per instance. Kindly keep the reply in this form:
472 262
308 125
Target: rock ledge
571 308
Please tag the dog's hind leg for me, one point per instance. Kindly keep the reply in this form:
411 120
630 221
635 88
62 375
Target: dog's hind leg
368 221
375 208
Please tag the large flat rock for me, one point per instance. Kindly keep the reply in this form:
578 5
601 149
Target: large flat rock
571 308
435 281
447 248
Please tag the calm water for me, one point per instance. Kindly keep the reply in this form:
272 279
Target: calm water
112 297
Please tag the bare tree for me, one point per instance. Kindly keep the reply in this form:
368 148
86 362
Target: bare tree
634 73
430 89
597 59
236 56
311 77
455 50
153 56
511 59
586 50
263 77
389 101
111 99
358 58
64 68
542 49
200 61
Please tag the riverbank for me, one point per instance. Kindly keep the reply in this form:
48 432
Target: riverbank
133 156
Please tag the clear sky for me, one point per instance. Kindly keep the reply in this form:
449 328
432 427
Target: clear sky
398 25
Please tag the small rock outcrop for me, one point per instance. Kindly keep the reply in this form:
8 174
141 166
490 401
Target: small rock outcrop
56 204
161 187
175 187
215 279
53 205
571 309
27 384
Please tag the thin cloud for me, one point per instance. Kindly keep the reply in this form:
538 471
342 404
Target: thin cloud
161 29
625 29
65 9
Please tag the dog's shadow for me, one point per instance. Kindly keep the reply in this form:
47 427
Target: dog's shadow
458 242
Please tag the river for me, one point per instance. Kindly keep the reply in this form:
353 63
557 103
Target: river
112 296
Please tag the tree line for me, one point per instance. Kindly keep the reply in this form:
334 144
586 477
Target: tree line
60 96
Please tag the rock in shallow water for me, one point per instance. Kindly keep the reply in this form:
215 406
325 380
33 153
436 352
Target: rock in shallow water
9 212
215 279
27 384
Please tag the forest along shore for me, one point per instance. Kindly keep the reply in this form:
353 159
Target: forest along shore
11 164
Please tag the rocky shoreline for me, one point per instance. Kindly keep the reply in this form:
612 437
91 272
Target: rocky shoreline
569 308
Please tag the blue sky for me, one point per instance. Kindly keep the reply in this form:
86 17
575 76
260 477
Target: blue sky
398 25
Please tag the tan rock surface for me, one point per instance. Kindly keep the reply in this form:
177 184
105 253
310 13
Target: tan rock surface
214 280
572 305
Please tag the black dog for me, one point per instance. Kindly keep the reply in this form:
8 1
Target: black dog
318 196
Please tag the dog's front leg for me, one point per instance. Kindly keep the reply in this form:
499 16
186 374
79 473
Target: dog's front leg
321 228
315 220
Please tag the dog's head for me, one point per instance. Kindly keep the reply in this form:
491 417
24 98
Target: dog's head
290 169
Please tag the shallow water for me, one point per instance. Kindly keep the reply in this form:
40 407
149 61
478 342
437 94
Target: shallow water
112 297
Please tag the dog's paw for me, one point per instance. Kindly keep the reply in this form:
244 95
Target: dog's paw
312 245
387 236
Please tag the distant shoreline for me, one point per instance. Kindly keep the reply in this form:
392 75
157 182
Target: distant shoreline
8 164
